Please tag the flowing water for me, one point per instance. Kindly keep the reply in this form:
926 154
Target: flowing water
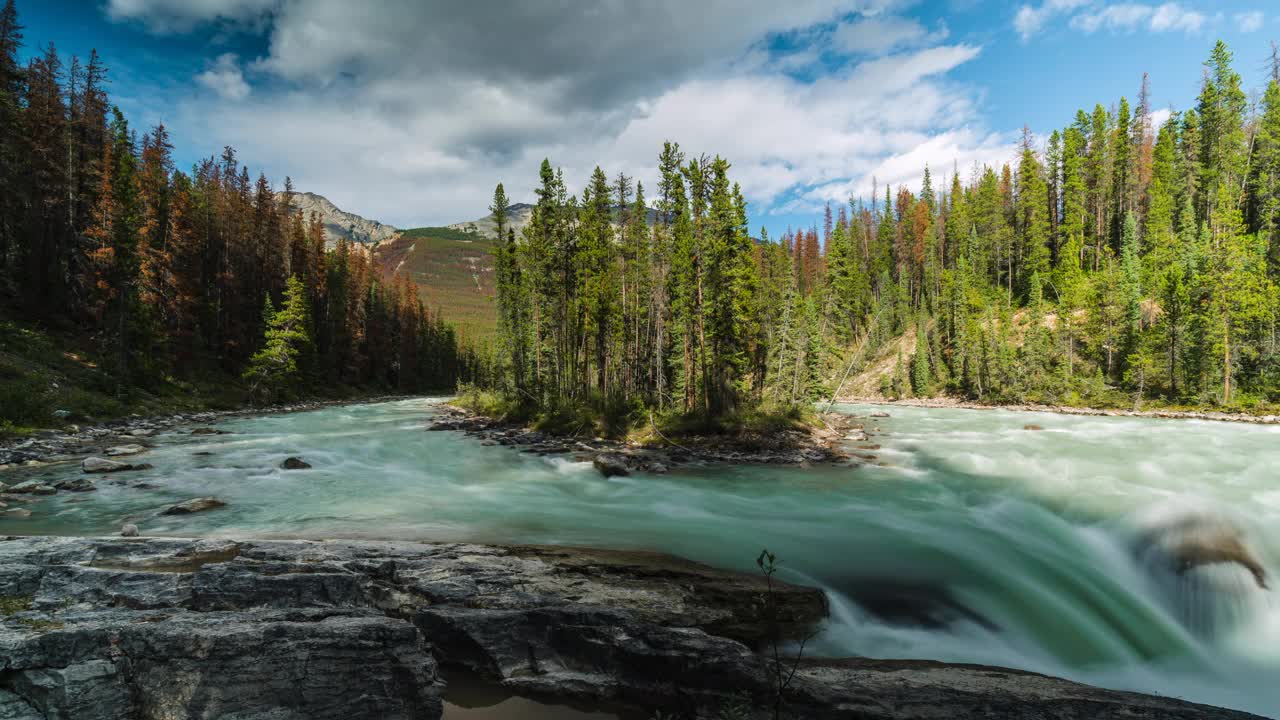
975 540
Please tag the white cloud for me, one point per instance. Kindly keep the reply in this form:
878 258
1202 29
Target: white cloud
878 35
225 78
1090 16
1030 19
1172 17
413 116
1249 21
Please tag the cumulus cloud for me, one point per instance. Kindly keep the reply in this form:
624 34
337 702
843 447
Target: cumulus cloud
1249 21
411 112
225 78
1091 16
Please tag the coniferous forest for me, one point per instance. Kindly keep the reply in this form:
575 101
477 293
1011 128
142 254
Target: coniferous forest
1113 263
176 275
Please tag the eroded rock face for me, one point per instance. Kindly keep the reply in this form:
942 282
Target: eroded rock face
174 628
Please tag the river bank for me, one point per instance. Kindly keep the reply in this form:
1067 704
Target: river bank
102 628
953 403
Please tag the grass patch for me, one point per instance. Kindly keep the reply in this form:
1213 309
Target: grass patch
14 604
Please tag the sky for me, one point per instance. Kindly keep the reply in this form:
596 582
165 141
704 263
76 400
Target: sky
410 111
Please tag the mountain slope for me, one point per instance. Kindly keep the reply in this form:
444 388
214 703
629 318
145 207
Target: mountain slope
453 270
341 224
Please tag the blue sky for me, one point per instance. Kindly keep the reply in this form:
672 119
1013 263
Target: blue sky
410 112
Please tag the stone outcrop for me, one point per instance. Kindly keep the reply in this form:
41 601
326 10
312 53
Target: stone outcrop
174 628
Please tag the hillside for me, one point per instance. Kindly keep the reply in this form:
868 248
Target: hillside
454 270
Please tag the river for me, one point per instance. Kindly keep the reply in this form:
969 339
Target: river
973 539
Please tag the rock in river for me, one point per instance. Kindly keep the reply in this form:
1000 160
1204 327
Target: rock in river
208 431
107 628
103 465
194 506
612 464
129 530
120 450
295 463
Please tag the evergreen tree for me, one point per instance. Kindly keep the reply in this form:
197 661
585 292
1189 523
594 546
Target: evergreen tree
273 370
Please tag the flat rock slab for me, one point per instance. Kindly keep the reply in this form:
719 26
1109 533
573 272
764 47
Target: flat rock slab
151 628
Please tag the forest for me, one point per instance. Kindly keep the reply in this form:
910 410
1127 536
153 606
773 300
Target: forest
176 276
1116 263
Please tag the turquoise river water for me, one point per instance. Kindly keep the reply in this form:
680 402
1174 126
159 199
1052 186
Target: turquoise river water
973 540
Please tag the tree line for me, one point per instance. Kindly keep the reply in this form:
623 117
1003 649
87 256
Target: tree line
1121 258
169 271
1117 260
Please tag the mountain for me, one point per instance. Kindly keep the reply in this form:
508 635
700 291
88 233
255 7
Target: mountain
341 224
519 215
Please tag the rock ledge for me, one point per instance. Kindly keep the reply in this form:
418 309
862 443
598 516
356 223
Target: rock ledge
100 628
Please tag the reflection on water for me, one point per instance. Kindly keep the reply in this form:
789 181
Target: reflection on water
976 541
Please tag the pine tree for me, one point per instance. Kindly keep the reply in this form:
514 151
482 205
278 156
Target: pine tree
273 370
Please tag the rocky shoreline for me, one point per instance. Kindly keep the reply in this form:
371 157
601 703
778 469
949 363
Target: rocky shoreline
817 446
150 628
76 441
952 403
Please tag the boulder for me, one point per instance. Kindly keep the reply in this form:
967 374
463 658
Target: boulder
612 464
32 487
1032 427
658 469
17 514
194 505
295 463
129 530
77 485
103 465
121 450
879 414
